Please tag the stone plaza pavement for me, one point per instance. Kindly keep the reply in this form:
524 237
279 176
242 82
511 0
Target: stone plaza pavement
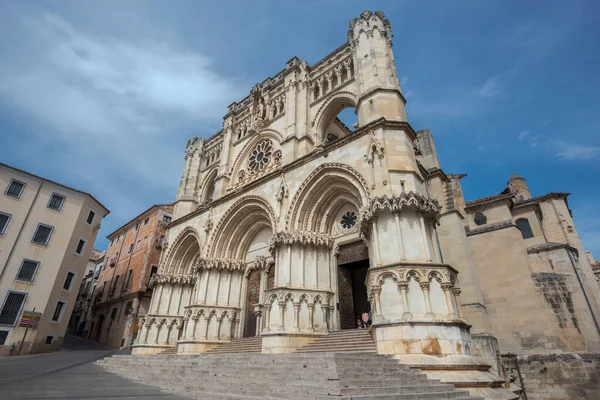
70 374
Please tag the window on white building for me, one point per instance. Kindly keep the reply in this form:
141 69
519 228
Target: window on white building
69 280
42 234
58 311
90 217
56 202
80 247
4 219
13 303
27 271
15 188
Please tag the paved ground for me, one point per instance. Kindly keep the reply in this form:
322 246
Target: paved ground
70 374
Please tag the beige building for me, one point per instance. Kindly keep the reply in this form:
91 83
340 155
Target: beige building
122 292
47 231
80 318
289 225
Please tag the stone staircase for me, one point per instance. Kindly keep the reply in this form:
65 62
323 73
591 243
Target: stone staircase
346 341
243 345
297 376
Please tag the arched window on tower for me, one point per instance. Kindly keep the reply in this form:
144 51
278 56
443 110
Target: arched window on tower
524 227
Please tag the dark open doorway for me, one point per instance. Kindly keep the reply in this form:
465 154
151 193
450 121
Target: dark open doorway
353 300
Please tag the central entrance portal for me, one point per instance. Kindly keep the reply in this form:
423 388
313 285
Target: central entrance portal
353 264
353 293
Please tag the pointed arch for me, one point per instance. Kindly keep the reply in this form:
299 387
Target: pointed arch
183 253
331 107
238 226
327 188
207 187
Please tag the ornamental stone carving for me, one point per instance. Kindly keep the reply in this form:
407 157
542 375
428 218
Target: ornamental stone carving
301 238
219 264
183 279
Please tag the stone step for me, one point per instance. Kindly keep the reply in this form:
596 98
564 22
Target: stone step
295 376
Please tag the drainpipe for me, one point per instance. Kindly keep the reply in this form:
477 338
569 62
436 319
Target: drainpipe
12 249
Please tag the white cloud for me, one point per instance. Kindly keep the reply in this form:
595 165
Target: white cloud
570 151
119 110
492 87
523 134
404 80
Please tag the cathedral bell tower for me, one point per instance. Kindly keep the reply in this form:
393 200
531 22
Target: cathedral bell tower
370 37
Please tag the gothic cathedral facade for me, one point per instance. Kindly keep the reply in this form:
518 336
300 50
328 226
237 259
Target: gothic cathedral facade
288 224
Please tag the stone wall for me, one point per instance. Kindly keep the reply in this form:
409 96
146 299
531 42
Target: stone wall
556 376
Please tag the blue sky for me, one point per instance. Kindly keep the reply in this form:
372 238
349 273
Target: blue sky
103 96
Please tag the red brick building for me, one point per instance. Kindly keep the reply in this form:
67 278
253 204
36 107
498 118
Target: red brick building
121 290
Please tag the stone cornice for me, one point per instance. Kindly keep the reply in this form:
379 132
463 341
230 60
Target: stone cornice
540 248
318 152
490 228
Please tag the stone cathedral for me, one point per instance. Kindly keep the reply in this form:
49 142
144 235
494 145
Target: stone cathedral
289 225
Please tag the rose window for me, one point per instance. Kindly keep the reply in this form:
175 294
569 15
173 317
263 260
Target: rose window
260 156
348 220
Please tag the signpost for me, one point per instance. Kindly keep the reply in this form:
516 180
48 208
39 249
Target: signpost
29 319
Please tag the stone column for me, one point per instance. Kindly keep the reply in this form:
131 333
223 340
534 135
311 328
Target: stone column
232 326
347 65
320 82
425 238
311 327
296 317
377 293
195 323
425 288
171 287
146 334
206 286
456 292
338 74
267 318
281 310
230 276
329 77
404 294
325 325
258 322
399 233
185 325
205 336
376 242
313 91
447 287
303 266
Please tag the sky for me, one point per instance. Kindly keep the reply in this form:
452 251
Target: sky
103 96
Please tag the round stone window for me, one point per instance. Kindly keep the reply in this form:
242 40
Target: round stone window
348 220
260 156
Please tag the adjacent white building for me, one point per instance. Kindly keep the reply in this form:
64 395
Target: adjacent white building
47 231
